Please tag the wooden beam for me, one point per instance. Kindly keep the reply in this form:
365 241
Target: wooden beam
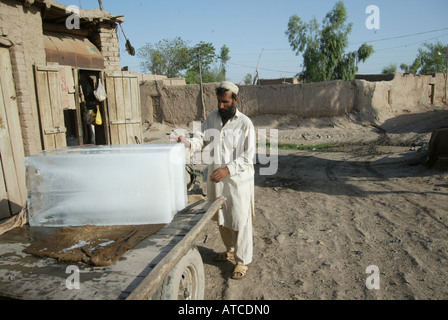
60 28
152 281
28 3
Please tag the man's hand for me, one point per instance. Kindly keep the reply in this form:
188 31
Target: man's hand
219 174
184 141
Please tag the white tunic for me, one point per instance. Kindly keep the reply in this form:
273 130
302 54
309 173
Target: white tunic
233 146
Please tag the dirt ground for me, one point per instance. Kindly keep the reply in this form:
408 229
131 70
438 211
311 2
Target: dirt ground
327 215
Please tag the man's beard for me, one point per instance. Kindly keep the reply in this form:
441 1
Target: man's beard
227 113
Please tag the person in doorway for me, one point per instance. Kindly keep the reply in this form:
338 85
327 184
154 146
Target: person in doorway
228 136
89 104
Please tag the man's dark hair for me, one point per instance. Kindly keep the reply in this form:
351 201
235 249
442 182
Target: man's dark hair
222 91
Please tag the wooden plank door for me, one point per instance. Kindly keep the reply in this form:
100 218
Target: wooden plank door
124 109
12 174
49 96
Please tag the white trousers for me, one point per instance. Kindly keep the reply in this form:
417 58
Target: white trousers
239 242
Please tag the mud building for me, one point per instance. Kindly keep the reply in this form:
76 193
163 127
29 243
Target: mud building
52 59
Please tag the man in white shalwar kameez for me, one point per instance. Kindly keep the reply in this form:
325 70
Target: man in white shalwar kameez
227 140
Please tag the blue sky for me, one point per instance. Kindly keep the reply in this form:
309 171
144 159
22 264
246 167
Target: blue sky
253 27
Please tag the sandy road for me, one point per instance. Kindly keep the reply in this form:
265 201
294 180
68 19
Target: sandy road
327 216
324 217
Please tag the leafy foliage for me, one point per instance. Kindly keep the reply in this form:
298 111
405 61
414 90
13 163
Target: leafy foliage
248 79
174 58
392 68
431 60
166 57
224 57
323 49
206 52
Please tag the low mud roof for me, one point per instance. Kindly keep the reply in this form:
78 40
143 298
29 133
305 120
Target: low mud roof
56 12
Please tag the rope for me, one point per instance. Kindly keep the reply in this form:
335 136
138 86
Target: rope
223 199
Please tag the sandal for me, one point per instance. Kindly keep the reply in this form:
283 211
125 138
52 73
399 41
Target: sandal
239 272
225 256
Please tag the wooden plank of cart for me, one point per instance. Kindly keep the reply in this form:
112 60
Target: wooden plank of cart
166 265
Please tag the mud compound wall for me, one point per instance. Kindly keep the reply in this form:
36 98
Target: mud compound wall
314 100
378 100
372 100
183 104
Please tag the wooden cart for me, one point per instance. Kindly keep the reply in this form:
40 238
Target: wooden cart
164 266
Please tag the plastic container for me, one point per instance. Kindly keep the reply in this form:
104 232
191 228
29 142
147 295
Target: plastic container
109 185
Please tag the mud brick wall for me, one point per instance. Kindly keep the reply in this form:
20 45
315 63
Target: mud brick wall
371 100
183 104
23 28
106 39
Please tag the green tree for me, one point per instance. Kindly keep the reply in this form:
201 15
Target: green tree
392 68
206 52
213 66
248 79
223 57
166 57
413 68
323 49
174 58
430 60
217 74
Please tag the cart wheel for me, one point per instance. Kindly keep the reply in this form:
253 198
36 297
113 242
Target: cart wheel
187 280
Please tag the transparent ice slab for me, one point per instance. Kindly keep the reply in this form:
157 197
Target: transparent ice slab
107 185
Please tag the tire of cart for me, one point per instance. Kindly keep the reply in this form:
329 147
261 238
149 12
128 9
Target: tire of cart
187 279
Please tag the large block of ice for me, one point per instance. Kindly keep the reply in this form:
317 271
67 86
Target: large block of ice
108 185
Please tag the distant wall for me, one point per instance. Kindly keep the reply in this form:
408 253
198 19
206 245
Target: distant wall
182 104
267 82
375 100
313 100
154 101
